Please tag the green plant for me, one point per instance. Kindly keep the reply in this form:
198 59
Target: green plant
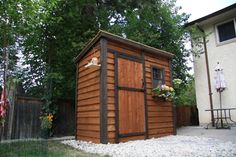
177 83
46 121
48 110
40 148
185 92
164 91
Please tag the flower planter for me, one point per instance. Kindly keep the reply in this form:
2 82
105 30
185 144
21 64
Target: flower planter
159 98
164 93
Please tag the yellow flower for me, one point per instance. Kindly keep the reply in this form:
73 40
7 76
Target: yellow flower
50 116
171 89
165 87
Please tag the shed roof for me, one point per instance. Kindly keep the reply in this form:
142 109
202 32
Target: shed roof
219 12
122 40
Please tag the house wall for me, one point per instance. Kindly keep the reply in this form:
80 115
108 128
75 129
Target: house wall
226 55
88 99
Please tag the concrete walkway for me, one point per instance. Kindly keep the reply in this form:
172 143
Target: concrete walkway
221 134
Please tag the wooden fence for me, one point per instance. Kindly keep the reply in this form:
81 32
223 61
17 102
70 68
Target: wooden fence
64 124
187 115
23 119
26 122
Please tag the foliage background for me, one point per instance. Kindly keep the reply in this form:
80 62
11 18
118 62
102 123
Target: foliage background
44 37
185 93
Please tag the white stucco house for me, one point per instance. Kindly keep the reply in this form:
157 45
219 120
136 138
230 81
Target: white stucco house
220 46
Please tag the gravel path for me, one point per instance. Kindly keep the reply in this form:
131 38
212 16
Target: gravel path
176 146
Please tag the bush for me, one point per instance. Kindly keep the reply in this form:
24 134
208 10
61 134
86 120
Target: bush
185 92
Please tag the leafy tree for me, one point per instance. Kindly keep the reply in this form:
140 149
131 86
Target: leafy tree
62 31
53 32
185 93
157 24
49 34
15 18
9 27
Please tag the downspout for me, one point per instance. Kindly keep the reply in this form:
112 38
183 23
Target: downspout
208 75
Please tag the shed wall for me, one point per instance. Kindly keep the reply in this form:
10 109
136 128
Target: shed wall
88 99
112 46
111 97
88 123
160 115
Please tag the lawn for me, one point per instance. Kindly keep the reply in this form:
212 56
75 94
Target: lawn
40 149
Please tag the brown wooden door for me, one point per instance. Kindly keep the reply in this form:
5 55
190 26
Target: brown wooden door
131 98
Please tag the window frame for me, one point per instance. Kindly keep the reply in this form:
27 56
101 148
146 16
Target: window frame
218 42
163 73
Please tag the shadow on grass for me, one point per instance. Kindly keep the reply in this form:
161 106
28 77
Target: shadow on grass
42 148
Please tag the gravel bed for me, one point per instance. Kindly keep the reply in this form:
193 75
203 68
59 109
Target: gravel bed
176 146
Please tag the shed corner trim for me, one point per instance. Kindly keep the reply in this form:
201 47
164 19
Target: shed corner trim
103 92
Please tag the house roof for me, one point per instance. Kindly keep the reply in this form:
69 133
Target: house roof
219 12
110 36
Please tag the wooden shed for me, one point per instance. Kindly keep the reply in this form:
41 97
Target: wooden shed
114 100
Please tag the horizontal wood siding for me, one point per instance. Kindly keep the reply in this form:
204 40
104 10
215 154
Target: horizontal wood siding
160 116
88 99
124 49
96 90
111 97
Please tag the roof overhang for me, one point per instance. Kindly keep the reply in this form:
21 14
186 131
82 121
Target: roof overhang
225 12
116 38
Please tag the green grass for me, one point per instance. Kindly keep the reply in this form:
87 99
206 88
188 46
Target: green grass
40 149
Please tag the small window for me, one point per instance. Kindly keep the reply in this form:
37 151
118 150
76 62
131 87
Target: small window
226 31
157 77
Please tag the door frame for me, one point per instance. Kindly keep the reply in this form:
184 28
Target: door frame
141 60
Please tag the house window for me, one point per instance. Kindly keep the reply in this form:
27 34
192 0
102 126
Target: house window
157 77
226 31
